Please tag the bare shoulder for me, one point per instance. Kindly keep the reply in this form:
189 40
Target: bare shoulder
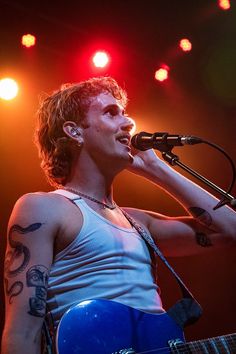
40 206
38 199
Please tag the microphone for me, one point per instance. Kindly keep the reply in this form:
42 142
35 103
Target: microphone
162 141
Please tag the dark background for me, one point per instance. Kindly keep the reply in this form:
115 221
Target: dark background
198 99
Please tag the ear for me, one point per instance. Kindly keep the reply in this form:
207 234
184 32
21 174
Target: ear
75 132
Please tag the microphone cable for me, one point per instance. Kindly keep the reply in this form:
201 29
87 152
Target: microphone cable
217 147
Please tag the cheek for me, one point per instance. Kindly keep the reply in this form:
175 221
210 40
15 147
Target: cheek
104 129
100 131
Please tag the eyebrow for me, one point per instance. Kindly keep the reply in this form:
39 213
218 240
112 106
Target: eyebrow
114 106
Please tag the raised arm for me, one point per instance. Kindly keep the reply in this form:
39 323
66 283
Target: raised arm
28 259
204 228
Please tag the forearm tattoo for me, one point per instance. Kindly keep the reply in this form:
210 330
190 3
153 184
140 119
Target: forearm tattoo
37 277
17 259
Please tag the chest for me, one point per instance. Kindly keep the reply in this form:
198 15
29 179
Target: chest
73 221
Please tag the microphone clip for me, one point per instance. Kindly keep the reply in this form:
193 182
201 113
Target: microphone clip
160 142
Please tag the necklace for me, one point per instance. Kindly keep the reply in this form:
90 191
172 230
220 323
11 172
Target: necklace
111 207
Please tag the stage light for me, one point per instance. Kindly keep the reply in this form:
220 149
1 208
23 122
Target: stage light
185 45
224 4
100 59
8 88
162 73
28 40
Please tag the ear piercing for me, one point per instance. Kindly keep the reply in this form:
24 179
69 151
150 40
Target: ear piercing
74 131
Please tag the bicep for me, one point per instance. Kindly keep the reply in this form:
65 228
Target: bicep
182 236
178 236
27 262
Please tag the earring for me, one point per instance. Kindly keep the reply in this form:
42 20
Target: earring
79 142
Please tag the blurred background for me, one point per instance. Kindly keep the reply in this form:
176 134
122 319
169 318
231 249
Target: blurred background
177 60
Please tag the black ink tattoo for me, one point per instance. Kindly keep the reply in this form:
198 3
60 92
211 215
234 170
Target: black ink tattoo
201 215
37 277
18 256
13 290
203 240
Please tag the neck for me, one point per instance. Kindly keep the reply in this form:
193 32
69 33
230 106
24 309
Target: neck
100 191
93 180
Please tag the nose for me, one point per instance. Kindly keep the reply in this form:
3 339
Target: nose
128 125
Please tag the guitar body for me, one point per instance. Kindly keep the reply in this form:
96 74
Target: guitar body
107 327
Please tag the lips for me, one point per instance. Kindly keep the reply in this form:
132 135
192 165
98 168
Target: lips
124 139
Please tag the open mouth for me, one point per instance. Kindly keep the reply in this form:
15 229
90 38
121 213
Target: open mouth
124 140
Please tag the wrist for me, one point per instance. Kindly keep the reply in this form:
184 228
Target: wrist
159 172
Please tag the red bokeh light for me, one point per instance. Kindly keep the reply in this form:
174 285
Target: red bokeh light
162 73
28 40
185 45
100 59
224 4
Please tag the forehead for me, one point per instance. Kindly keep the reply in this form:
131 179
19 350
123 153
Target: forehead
103 100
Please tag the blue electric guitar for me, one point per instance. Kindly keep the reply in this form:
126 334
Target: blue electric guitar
108 327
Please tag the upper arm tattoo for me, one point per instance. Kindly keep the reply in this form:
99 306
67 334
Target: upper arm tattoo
17 259
203 240
204 218
201 215
37 277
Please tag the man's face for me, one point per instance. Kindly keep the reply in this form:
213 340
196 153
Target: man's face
109 129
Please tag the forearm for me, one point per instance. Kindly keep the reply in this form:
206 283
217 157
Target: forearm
197 201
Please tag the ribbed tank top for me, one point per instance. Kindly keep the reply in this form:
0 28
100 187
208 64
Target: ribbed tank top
104 261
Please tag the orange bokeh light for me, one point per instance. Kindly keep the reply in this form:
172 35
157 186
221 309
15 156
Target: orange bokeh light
28 40
8 89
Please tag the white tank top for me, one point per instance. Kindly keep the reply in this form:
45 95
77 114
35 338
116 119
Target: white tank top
104 261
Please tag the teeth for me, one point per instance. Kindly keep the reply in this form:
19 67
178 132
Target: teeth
124 141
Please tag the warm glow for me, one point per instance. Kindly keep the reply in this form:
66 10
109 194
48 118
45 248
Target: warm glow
8 89
100 59
224 4
162 73
28 40
185 45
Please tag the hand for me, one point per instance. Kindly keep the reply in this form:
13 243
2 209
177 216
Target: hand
144 163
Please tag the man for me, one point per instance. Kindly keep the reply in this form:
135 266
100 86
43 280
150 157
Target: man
75 243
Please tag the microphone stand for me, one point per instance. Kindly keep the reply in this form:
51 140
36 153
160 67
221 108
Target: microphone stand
173 160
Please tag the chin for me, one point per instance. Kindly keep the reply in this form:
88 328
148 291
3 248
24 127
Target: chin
126 159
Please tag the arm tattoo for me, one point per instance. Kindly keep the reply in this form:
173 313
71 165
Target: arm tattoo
201 215
37 277
13 290
203 240
17 259
204 218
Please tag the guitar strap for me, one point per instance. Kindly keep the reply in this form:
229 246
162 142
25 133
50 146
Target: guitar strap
187 310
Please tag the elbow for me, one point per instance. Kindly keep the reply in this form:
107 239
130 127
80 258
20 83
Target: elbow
229 239
20 341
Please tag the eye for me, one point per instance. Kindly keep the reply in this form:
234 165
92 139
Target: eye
112 112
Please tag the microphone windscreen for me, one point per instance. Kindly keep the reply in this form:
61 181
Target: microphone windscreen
141 141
